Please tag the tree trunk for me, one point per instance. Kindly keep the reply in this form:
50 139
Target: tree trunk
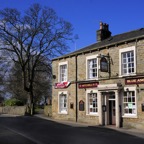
31 109
31 103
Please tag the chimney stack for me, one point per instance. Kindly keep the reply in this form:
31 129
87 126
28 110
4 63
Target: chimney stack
103 32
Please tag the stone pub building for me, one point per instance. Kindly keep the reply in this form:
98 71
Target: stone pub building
103 83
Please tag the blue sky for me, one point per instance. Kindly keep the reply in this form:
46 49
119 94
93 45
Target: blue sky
85 15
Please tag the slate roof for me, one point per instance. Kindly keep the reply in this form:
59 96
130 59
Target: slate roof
113 40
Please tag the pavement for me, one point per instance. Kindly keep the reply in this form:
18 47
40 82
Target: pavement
131 131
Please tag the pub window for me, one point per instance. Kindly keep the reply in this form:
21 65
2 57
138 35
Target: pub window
92 67
127 61
63 75
92 103
129 103
63 103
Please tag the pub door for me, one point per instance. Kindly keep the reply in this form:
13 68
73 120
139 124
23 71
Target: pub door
112 112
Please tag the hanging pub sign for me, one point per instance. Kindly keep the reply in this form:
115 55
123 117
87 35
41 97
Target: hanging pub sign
139 80
88 85
61 85
104 65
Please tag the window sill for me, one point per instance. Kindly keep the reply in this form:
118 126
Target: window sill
92 114
96 78
129 116
133 74
62 113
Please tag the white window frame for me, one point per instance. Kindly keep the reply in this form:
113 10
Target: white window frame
130 115
59 72
59 110
132 48
87 72
87 102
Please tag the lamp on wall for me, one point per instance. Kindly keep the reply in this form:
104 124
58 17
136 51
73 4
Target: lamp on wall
117 74
101 55
138 88
54 76
61 94
91 91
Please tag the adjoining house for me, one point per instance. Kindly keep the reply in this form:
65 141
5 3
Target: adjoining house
103 83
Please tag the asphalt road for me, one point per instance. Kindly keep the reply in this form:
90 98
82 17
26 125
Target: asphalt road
33 130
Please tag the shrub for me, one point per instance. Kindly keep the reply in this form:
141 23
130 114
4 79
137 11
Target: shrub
13 102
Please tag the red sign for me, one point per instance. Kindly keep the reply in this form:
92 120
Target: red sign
88 85
139 80
61 85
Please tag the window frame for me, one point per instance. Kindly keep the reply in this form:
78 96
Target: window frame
126 50
59 95
87 102
130 89
87 67
59 71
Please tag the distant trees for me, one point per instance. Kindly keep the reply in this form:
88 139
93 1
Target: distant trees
14 85
31 39
4 68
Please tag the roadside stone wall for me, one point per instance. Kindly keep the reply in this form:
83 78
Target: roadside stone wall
1 110
48 110
14 110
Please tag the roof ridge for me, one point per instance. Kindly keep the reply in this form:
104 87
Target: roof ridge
118 38
129 31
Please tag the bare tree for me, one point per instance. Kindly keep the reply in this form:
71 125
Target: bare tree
31 38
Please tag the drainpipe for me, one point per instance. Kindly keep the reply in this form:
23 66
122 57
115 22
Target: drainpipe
109 66
136 50
76 88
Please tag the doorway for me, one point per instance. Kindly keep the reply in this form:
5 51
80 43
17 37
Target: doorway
109 113
110 97
112 112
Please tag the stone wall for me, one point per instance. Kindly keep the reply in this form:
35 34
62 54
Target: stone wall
48 110
14 110
103 79
70 90
1 109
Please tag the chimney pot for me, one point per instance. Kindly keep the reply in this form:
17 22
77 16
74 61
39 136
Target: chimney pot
101 25
103 32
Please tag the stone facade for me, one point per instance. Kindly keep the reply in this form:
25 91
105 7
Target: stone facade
48 110
109 91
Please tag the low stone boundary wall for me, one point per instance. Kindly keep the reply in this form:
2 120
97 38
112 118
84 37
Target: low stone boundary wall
133 123
14 110
48 110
